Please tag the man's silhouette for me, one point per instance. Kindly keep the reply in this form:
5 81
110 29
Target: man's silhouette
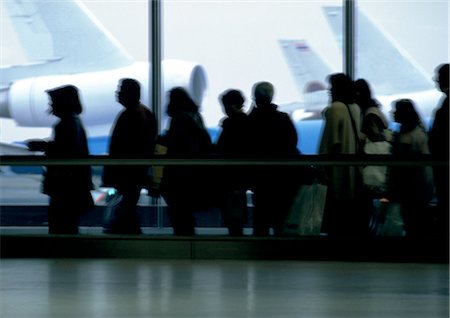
439 148
133 136
271 134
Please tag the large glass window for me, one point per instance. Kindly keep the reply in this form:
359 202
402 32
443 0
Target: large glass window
45 44
208 46
90 44
398 46
288 43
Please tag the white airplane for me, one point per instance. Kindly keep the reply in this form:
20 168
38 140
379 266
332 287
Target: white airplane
390 71
67 45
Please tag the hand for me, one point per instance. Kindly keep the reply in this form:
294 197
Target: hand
36 145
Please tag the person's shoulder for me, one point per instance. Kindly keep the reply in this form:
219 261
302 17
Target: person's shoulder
337 106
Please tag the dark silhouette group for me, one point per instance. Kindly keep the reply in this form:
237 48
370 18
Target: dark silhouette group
353 124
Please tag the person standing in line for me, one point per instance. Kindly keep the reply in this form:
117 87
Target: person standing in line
344 212
185 188
67 186
233 142
375 139
411 186
439 147
272 134
133 136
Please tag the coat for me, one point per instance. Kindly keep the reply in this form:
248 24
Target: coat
272 134
411 183
339 137
69 141
187 137
133 136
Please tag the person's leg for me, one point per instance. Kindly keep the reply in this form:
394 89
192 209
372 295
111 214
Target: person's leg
261 213
62 216
234 210
124 218
182 220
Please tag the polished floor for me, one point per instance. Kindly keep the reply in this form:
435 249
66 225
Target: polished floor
64 288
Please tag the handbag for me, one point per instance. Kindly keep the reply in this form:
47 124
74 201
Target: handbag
375 177
306 213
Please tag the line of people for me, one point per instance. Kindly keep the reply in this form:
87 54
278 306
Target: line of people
352 120
354 123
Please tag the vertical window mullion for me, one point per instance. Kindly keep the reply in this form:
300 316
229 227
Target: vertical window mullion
349 38
155 58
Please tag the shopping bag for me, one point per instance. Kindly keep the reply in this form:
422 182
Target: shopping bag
306 213
393 221
110 212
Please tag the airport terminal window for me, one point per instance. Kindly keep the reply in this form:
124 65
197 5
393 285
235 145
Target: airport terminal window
211 46
288 43
90 44
398 46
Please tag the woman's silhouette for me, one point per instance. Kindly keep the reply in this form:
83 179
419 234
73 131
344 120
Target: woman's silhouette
67 186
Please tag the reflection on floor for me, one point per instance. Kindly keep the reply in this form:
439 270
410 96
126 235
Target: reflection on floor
48 288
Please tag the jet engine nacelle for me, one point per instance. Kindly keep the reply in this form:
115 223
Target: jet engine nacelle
26 100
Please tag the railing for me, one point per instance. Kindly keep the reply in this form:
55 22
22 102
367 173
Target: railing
164 160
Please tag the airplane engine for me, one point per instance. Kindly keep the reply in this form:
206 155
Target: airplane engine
26 101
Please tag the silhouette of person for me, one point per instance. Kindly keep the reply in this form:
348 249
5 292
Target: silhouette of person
133 136
343 214
271 134
439 147
374 123
411 186
233 142
67 186
375 139
183 187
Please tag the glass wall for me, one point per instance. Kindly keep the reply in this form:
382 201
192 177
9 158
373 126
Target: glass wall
208 46
398 46
45 44
288 43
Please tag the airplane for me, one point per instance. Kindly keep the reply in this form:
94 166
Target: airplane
396 77
56 61
43 29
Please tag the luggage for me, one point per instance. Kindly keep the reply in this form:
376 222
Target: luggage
306 213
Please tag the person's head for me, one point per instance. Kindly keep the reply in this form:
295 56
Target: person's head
64 100
404 112
263 93
232 101
180 101
128 92
442 77
341 88
362 90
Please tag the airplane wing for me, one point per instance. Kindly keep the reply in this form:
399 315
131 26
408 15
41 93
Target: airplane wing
59 37
388 68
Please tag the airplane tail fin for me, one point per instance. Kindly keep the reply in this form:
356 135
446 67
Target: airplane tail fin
308 69
63 34
388 68
309 72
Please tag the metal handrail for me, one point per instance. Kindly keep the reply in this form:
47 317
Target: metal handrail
164 160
